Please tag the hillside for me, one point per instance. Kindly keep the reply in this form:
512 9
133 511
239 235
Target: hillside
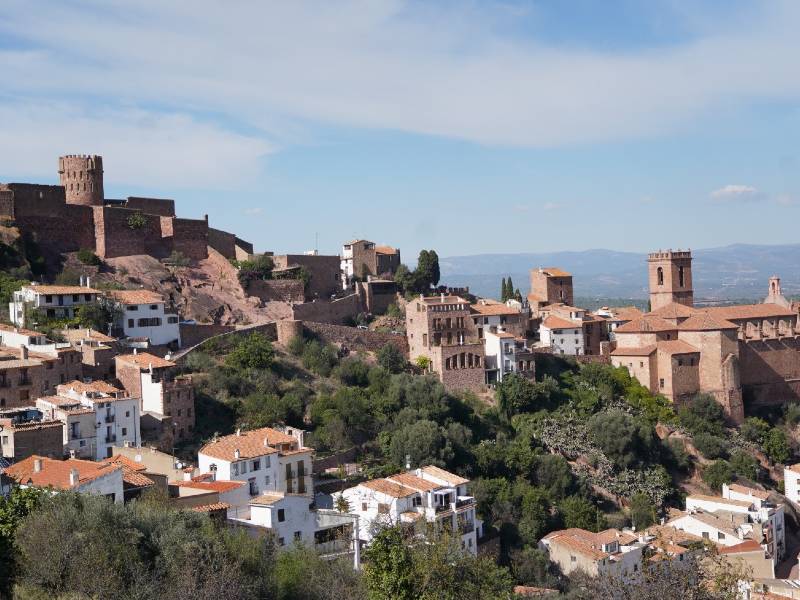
730 272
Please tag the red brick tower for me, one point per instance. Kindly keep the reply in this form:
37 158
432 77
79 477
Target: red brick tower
82 178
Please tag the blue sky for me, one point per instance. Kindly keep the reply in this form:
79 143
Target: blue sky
465 126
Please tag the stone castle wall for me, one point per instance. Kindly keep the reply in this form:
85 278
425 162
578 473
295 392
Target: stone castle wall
280 290
356 339
190 237
194 333
338 312
770 370
115 237
162 207
223 242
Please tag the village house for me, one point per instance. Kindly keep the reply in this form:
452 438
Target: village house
361 259
504 354
82 476
163 393
51 301
418 498
142 314
490 315
96 416
97 351
440 328
791 483
611 552
740 514
24 433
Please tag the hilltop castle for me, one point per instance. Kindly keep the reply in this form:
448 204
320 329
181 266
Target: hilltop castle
739 354
76 215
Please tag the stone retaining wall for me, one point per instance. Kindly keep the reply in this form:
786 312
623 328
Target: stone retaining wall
356 339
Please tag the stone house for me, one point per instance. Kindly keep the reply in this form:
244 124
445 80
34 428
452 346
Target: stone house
23 433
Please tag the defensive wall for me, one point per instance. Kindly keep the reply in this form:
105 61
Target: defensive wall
338 311
223 242
324 271
355 338
163 207
770 370
277 290
194 333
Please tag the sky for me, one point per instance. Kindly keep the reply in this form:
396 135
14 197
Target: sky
461 125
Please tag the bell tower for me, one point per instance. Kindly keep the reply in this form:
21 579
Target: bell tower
82 178
670 277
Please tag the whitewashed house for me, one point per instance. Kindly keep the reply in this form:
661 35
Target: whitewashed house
564 336
143 314
83 476
428 495
54 301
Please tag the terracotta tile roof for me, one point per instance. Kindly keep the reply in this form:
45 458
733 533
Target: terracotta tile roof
611 535
741 489
93 386
384 486
528 591
385 250
76 335
706 322
795 468
673 310
135 478
119 459
412 481
625 313
749 311
745 546
55 473
410 515
135 296
144 359
18 363
555 272
677 347
447 476
219 485
204 508
493 308
634 351
20 330
646 324
673 535
31 425
61 289
553 322
251 444
580 546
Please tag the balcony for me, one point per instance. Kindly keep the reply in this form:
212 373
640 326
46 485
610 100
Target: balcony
109 418
464 501
110 439
465 528
442 508
24 381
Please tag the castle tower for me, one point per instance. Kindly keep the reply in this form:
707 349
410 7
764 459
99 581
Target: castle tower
82 178
670 277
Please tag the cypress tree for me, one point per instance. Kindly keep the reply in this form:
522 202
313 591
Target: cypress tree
503 292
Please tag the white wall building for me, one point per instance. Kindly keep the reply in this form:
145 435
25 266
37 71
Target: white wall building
606 553
428 495
564 336
791 483
97 418
54 301
143 314
505 354
83 476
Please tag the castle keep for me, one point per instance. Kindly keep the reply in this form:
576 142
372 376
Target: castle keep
75 215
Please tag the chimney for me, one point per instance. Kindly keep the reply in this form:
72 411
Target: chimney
187 475
37 465
408 462
73 477
134 352
238 431
266 443
236 454
83 281
88 282
442 297
23 352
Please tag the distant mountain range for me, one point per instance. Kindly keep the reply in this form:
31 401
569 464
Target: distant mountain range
739 271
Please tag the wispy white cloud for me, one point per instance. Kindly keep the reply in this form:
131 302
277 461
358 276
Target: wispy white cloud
256 210
201 72
736 192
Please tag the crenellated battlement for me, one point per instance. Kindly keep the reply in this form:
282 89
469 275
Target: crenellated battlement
669 254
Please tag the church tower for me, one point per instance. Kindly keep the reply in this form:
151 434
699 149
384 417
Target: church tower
82 178
670 277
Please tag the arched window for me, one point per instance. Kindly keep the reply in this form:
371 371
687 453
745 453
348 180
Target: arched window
680 276
660 274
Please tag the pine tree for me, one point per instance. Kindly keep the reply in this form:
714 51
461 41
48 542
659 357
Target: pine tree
503 291
517 296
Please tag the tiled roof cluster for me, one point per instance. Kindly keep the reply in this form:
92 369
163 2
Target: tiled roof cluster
251 444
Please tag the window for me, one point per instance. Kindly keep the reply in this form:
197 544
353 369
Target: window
154 307
281 515
132 307
172 320
661 383
660 276
680 276
297 536
149 322
680 362
256 465
416 501
641 363
5 439
124 431
130 322
87 297
280 542
572 559
720 535
127 413
266 462
74 297
705 535
235 467
48 298
383 509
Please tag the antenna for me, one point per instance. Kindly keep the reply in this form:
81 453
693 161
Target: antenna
316 242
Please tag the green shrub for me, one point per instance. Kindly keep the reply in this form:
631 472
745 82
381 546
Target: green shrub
391 358
296 345
754 430
744 465
777 446
394 311
88 257
711 446
718 473
252 352
137 220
